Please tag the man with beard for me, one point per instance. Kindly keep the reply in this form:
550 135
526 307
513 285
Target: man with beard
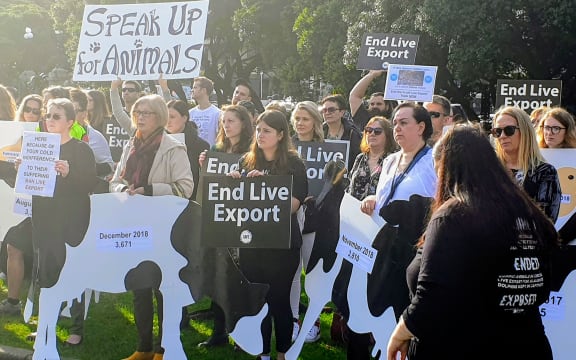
377 106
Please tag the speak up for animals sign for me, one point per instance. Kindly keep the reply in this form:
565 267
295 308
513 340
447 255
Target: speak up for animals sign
141 41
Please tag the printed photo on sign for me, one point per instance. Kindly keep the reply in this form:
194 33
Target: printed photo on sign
316 156
410 82
141 41
36 173
248 212
528 94
378 51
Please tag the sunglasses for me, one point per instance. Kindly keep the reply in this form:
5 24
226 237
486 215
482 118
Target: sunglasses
31 110
507 130
434 114
53 116
370 130
130 90
553 129
329 110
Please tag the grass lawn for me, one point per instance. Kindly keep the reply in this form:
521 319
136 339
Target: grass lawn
110 334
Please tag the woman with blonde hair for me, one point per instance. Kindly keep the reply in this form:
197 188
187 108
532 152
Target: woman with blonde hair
557 130
7 104
517 149
30 109
307 122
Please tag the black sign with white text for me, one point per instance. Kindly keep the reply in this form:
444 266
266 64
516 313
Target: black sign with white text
116 137
248 212
528 94
216 163
379 50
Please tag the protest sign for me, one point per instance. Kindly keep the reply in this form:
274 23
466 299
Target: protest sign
216 163
141 41
410 82
248 212
528 94
36 174
316 155
116 137
377 51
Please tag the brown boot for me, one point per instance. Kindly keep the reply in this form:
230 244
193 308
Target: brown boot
140 355
158 356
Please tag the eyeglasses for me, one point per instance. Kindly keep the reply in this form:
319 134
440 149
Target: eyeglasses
130 90
145 114
53 117
435 114
553 129
329 110
508 130
370 130
32 110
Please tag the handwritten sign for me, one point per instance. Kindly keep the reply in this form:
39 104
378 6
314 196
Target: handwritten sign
141 41
36 174
410 82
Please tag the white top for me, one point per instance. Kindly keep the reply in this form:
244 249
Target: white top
207 121
99 146
420 180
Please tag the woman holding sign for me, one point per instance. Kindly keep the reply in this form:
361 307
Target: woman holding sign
483 265
272 153
403 196
152 164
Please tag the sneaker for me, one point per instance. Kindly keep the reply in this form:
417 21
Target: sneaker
314 333
296 329
7 308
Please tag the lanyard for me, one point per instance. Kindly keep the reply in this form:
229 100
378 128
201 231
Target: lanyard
397 180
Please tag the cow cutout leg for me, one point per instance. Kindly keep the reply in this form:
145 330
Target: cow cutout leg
319 296
45 344
243 333
361 320
173 298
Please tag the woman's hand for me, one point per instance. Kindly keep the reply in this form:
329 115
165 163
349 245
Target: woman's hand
131 191
368 205
234 174
255 173
163 83
202 157
399 341
62 167
116 84
17 163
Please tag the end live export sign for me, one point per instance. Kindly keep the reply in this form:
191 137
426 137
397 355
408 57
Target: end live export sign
528 94
141 41
379 50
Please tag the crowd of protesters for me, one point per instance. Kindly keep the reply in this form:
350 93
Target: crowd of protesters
459 204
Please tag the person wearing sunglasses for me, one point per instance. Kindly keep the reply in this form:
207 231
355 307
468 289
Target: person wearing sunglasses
131 91
556 130
517 148
441 113
30 109
152 164
467 268
339 127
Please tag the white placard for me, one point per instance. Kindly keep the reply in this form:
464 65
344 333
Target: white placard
357 230
141 41
37 173
554 308
125 239
23 205
410 82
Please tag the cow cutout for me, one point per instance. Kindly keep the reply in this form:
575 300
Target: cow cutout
170 259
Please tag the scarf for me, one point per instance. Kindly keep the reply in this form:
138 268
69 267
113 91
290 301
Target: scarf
141 157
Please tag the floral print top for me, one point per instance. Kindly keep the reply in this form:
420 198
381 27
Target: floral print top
362 181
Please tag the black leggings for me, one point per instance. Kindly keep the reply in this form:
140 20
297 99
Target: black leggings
276 268
144 319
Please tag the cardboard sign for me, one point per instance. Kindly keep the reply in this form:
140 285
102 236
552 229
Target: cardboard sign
141 41
216 163
316 155
528 94
36 174
377 51
410 82
116 137
564 162
249 212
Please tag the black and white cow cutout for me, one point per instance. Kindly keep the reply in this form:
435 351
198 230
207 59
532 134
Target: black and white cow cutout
137 242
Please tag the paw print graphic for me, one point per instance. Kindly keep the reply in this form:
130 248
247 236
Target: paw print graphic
95 47
138 43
